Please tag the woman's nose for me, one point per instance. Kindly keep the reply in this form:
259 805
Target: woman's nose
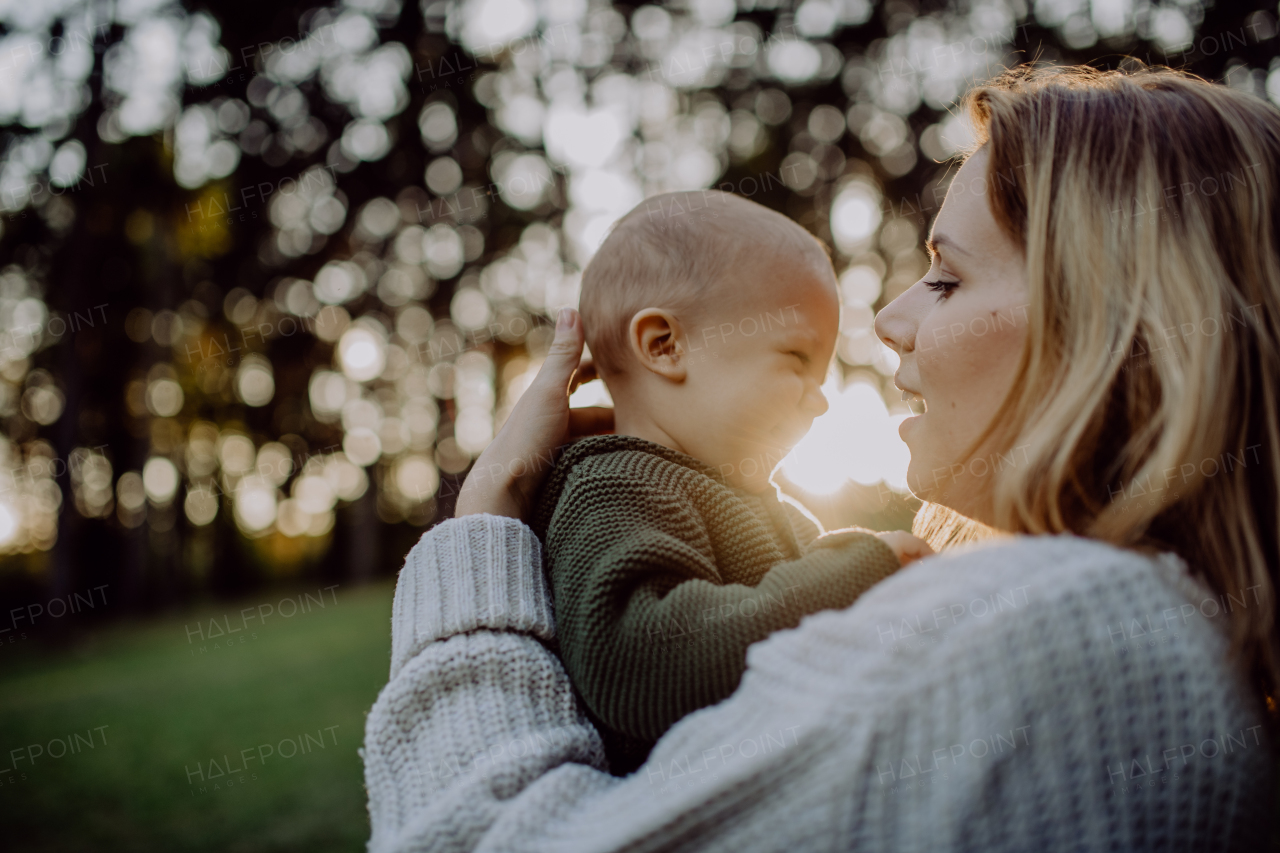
895 326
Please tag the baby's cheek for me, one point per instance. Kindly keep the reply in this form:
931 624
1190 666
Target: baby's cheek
787 397
759 400
774 386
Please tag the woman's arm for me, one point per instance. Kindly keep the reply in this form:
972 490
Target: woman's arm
1017 728
475 704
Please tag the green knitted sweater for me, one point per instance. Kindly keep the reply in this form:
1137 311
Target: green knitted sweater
662 575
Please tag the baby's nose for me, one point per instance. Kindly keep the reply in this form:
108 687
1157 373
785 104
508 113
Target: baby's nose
816 403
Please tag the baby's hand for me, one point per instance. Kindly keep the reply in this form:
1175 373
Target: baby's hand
907 547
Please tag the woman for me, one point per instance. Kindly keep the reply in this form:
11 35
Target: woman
1093 677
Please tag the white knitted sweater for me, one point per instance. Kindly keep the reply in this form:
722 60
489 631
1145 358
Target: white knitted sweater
1041 693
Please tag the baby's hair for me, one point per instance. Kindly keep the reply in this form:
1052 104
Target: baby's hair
677 251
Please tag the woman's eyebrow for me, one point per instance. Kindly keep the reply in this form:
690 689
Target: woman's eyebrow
937 240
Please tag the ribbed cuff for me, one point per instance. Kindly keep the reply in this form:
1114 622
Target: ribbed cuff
467 574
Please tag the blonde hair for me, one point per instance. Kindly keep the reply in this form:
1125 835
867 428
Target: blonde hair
678 251
1146 396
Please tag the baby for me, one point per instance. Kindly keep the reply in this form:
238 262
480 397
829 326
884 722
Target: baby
711 320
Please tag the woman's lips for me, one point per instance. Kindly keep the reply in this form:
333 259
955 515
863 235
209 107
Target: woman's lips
916 401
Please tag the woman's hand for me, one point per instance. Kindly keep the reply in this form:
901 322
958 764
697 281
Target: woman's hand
505 479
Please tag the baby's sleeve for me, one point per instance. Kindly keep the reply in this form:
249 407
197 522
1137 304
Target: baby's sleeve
648 631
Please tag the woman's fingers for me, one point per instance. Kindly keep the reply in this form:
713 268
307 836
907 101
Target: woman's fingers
505 478
540 419
585 373
563 357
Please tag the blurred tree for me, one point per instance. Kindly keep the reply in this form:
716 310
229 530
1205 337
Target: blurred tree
271 276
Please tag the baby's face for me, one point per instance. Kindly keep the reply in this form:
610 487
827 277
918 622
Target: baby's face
756 366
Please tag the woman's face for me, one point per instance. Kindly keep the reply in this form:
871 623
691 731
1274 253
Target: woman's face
959 332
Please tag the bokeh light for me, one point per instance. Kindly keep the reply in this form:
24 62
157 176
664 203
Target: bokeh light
160 479
362 353
254 381
281 283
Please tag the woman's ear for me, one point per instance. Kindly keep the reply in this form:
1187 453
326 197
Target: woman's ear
652 338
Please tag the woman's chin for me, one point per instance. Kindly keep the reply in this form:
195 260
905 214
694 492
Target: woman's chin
921 484
913 486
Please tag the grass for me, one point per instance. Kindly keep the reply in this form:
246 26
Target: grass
168 709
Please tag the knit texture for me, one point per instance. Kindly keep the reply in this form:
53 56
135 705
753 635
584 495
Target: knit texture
1091 705
662 575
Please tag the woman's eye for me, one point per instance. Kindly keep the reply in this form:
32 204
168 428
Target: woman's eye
943 287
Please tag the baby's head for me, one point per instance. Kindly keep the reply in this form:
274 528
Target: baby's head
712 320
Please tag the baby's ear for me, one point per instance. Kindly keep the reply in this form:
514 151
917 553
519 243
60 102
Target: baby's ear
653 338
